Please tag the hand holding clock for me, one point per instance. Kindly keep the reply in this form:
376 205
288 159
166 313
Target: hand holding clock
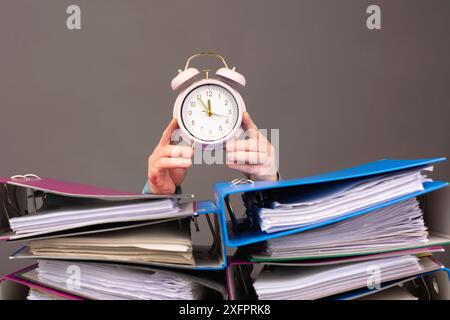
167 164
255 156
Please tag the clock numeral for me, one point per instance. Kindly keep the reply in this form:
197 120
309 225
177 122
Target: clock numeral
219 95
220 128
193 104
190 112
199 96
226 102
209 93
193 122
227 121
229 111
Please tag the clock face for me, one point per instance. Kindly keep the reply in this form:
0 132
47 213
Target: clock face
209 112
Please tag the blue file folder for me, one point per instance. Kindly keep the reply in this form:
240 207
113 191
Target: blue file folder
234 237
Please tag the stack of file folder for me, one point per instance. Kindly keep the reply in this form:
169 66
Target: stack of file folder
344 234
120 245
367 232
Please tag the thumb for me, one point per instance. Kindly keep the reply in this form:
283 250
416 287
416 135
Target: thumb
167 134
249 125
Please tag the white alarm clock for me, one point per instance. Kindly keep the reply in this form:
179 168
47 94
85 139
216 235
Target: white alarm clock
208 110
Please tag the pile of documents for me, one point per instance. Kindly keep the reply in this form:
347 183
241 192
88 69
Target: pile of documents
322 203
94 243
363 232
395 227
63 218
34 294
370 247
168 242
342 235
288 283
112 282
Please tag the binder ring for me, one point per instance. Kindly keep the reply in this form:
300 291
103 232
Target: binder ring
238 181
26 177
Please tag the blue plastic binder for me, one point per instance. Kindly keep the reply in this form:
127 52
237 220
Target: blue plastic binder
234 237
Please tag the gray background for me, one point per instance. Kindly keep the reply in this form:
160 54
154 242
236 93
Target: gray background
90 105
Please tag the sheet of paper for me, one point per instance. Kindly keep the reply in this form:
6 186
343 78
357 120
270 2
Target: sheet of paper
34 294
398 226
168 242
112 282
318 282
64 218
351 198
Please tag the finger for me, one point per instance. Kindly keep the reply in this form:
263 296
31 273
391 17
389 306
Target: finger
247 122
155 176
258 172
245 168
167 134
252 144
170 151
248 157
173 163
249 126
177 175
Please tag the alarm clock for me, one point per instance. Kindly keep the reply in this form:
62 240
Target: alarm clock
208 110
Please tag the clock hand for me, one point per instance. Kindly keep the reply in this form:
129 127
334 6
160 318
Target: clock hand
218 115
209 108
204 106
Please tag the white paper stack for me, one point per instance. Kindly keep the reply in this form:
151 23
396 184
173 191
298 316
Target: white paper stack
34 294
398 226
52 220
308 283
168 242
111 282
309 208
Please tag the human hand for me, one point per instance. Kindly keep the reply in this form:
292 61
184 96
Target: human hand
255 156
168 163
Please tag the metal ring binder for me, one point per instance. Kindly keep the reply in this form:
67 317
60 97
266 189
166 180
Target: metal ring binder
197 228
216 241
26 177
257 196
233 219
244 281
426 287
10 201
32 176
10 194
241 181
215 245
